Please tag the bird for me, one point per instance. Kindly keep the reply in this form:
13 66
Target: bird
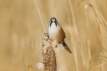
56 34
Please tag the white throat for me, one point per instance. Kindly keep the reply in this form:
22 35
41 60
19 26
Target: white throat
53 25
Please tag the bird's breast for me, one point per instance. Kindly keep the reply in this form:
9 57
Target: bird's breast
53 31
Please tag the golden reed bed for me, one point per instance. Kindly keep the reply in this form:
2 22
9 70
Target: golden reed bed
21 30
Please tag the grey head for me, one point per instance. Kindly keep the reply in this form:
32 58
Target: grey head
53 20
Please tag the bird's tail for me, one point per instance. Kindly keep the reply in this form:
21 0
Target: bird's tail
66 47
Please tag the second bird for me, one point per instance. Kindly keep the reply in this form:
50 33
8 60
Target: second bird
56 34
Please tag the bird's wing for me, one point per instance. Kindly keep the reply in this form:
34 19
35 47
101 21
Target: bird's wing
65 35
63 32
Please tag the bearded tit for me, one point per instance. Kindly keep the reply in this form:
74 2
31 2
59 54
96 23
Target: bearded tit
56 34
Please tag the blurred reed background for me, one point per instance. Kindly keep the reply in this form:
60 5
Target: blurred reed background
84 22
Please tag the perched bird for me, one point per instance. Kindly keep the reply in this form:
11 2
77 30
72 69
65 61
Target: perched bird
56 34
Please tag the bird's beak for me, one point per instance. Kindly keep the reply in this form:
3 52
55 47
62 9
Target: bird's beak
53 21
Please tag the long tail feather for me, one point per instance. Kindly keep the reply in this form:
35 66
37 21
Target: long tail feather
66 47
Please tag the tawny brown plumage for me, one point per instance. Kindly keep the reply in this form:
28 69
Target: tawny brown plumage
59 36
56 34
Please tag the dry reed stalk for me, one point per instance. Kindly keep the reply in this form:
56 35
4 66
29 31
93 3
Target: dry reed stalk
89 54
93 6
100 20
48 53
41 19
99 13
74 36
99 66
101 38
102 35
88 41
29 67
86 5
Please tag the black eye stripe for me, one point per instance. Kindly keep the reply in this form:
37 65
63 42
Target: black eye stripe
50 23
56 23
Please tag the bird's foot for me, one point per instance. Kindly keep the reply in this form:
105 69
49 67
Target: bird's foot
55 46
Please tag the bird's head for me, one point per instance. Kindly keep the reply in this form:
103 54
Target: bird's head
53 20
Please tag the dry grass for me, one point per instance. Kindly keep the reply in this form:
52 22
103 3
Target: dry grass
84 23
